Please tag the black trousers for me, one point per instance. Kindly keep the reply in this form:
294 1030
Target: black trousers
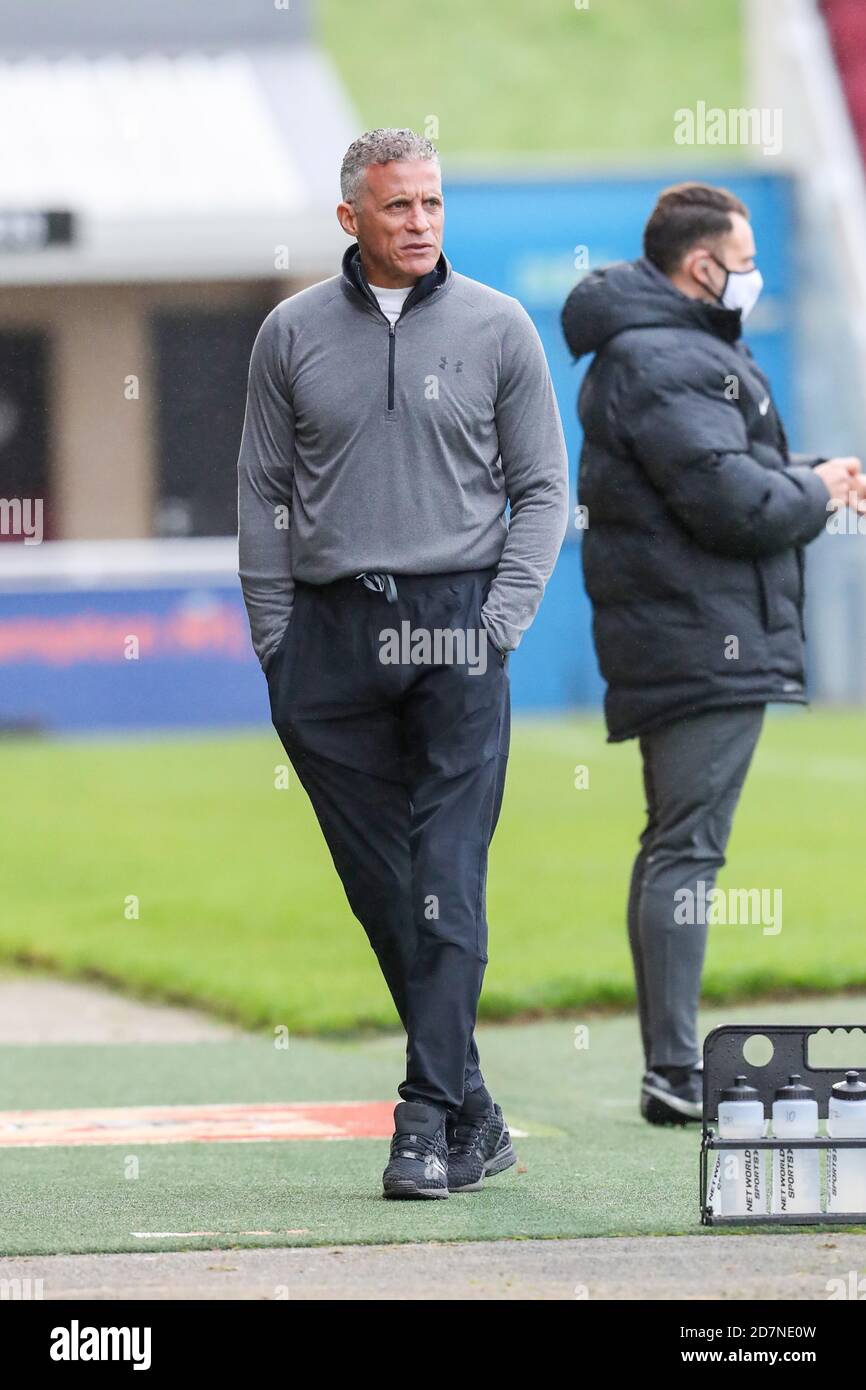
401 748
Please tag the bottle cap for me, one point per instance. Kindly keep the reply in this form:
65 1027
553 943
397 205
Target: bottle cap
741 1090
852 1088
796 1089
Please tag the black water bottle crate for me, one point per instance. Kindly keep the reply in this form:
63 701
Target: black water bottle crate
724 1059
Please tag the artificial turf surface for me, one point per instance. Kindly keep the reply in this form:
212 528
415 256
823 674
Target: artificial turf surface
240 910
590 1165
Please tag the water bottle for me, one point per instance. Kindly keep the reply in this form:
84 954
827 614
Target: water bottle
743 1171
846 1168
796 1178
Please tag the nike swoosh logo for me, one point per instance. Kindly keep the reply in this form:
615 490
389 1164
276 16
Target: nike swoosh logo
764 405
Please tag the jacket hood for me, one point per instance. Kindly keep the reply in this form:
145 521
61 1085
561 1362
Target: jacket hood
354 279
635 294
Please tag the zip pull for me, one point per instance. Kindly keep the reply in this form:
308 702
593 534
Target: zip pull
392 340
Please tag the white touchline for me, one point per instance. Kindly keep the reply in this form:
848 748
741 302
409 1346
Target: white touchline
191 1235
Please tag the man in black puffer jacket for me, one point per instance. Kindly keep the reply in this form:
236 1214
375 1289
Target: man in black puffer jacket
695 518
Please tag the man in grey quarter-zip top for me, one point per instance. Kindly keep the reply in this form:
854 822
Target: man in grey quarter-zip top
393 413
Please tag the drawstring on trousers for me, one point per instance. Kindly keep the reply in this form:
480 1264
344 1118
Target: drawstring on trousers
380 584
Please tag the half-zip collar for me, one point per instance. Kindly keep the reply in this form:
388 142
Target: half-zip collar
355 281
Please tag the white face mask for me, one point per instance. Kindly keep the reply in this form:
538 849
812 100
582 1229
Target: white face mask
742 288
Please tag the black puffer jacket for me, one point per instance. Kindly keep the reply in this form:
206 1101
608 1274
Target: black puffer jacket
696 511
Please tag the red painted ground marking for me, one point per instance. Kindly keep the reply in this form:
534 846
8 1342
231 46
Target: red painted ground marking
186 1124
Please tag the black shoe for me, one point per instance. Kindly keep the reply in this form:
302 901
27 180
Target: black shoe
418 1165
479 1146
673 1098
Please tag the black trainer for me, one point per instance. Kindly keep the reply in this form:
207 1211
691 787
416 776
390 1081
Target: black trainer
418 1165
673 1097
479 1146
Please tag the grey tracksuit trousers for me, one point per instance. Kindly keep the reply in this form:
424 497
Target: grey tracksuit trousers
694 771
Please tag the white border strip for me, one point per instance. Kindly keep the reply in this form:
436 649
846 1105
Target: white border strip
117 564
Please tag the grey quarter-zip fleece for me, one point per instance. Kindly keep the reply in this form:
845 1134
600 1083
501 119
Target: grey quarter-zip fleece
395 448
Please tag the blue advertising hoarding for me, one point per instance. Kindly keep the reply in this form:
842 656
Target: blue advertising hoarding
65 658
534 240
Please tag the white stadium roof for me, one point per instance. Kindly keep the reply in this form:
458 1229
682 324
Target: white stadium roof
180 164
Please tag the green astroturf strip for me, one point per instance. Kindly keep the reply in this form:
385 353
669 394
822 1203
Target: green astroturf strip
591 1166
240 909
512 78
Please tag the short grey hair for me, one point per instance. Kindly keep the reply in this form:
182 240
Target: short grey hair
380 147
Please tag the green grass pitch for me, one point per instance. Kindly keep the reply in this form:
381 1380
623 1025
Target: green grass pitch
509 79
239 908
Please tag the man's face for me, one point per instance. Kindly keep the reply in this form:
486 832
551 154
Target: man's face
735 250
397 218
